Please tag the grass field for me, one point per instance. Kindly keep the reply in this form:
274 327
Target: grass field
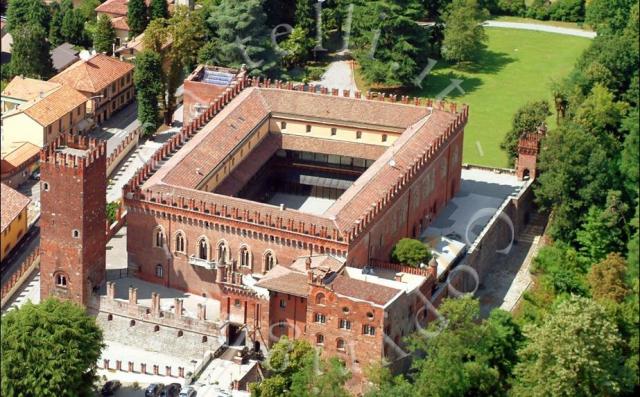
518 66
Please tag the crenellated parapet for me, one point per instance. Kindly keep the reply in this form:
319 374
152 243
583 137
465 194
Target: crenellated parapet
72 151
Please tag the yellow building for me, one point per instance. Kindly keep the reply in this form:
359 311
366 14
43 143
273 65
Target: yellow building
14 219
41 120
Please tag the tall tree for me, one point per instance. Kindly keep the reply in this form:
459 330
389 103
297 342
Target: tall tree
464 35
575 352
104 35
29 13
305 16
73 27
158 9
528 118
30 53
607 279
137 17
147 78
49 350
55 28
239 36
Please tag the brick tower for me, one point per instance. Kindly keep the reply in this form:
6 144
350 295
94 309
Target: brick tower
73 189
528 151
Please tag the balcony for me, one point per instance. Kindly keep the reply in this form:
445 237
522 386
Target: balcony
210 265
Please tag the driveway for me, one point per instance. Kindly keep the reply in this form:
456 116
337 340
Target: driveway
118 126
540 28
339 75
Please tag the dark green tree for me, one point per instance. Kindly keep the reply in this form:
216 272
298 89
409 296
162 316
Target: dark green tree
239 36
27 13
73 27
158 9
608 16
49 350
104 35
87 9
527 119
30 53
55 29
411 252
137 17
305 16
148 78
464 35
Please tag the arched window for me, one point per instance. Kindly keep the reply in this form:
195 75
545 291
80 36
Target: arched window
61 280
319 339
222 252
180 242
340 345
245 257
320 299
203 249
159 271
159 237
269 261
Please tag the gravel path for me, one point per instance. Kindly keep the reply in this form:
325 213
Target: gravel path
339 75
540 28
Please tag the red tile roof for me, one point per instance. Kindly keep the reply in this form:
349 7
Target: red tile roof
13 202
120 23
285 281
19 156
54 106
93 75
115 7
362 290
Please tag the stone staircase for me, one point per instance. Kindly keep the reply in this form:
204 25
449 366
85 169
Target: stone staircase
534 228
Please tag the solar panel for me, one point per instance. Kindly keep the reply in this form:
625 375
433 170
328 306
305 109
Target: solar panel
217 78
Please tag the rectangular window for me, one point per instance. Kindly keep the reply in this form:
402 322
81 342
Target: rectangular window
368 330
334 131
358 134
283 125
113 88
283 303
384 137
320 318
308 128
344 324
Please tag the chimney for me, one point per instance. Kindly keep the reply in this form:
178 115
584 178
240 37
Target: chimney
398 277
307 263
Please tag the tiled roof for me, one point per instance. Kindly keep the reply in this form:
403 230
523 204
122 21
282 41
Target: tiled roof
115 7
94 74
26 89
63 56
288 282
55 105
18 156
12 203
362 290
120 23
321 264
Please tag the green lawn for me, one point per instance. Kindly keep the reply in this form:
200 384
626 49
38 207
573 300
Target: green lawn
517 67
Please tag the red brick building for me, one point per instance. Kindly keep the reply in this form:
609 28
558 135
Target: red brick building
234 205
528 151
73 218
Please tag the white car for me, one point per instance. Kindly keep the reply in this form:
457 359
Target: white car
188 392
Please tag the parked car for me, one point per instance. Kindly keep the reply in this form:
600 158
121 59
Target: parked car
153 390
171 390
110 387
35 175
188 392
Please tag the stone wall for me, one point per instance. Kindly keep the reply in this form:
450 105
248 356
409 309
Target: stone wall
123 149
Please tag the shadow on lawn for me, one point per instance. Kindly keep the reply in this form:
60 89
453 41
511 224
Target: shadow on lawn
489 62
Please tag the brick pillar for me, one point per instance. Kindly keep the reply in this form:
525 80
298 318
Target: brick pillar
178 306
181 372
130 366
105 363
156 369
167 370
111 290
143 368
118 365
202 312
133 296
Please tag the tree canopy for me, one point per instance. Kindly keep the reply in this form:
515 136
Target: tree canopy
411 252
49 350
464 35
147 77
528 118
30 53
137 17
104 35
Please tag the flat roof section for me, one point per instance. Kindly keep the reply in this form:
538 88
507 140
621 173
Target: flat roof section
308 204
481 195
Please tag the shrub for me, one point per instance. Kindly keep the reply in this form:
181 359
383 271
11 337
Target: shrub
567 10
411 252
512 7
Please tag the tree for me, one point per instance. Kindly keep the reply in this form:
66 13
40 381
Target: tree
327 380
604 230
305 16
158 9
239 36
527 119
87 9
137 17
600 113
147 78
464 35
608 15
27 13
388 44
630 158
104 35
73 27
298 46
55 28
410 251
30 53
575 352
49 349
607 279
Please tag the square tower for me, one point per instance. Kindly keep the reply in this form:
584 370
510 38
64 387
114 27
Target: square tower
73 187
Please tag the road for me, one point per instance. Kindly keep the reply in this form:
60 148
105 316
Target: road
540 28
118 126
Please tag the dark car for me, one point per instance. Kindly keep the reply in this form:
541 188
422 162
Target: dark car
110 387
171 390
153 390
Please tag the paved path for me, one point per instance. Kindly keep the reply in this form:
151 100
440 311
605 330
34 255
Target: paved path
118 126
540 28
339 75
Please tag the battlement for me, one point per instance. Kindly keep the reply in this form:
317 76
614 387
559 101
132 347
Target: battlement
73 151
